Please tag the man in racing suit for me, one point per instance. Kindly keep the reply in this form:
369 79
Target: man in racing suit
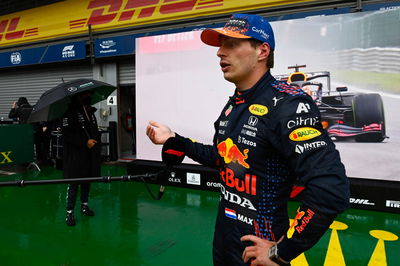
268 136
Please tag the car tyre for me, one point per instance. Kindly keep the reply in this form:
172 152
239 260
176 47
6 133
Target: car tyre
368 109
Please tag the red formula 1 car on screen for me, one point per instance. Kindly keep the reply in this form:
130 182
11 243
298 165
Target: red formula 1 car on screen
359 116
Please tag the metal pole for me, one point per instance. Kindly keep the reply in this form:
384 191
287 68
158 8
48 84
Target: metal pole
104 179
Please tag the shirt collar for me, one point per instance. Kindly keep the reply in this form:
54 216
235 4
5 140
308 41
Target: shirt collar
244 96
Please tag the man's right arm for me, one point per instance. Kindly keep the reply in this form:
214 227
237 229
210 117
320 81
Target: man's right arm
13 113
201 153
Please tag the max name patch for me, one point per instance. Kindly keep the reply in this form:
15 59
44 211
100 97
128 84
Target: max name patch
304 133
258 109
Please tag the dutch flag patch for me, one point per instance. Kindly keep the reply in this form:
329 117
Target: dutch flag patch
230 213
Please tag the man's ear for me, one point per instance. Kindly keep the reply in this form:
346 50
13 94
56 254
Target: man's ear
264 50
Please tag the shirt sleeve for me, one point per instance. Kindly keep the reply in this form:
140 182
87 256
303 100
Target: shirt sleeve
204 154
13 113
316 164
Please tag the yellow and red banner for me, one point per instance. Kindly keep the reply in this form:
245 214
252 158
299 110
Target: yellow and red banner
72 17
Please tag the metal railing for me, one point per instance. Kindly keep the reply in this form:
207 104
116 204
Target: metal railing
376 59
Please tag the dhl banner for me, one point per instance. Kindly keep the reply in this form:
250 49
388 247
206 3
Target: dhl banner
72 17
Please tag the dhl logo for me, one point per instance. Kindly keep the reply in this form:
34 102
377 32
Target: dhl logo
8 30
6 157
258 109
231 153
304 133
104 12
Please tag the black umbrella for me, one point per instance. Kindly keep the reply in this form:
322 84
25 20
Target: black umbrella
54 102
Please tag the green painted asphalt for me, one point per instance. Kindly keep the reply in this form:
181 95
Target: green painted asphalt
130 228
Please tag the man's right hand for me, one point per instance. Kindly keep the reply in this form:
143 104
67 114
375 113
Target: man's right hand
158 133
90 143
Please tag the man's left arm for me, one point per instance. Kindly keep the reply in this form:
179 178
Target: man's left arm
316 163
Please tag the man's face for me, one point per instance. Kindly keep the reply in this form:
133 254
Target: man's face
238 59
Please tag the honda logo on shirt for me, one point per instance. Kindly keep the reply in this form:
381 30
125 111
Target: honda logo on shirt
252 121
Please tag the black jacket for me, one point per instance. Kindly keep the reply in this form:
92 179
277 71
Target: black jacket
78 159
21 113
266 139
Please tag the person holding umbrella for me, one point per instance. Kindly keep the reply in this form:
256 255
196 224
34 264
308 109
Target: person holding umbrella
81 152
71 101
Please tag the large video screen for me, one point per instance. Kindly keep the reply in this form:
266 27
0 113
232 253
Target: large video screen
349 63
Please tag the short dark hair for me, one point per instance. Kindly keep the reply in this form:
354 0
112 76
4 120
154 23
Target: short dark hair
22 100
270 60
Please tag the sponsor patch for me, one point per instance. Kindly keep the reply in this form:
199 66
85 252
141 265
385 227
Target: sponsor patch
247 185
246 142
258 109
304 133
248 133
309 146
300 222
276 100
303 108
223 123
229 110
230 213
252 121
299 121
231 153
236 199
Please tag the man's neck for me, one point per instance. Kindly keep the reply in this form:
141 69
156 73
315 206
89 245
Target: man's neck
250 82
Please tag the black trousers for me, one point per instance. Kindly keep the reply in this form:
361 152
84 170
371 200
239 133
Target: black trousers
72 193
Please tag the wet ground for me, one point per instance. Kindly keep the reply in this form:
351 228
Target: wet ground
130 228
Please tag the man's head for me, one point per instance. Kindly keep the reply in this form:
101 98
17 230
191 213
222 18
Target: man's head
82 98
21 101
246 46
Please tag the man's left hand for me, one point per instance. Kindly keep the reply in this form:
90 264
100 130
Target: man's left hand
259 253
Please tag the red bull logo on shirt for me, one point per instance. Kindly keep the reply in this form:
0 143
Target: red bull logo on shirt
248 185
231 153
300 222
